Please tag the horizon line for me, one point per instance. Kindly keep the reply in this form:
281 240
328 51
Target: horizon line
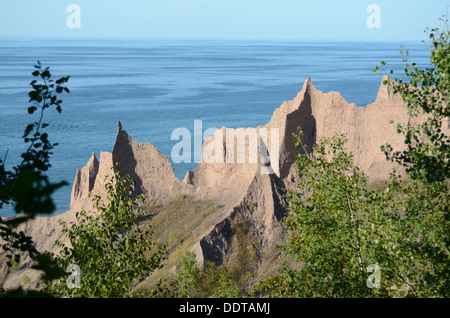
224 39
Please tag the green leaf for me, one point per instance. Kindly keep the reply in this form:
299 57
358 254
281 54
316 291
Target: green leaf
32 109
46 74
44 137
28 130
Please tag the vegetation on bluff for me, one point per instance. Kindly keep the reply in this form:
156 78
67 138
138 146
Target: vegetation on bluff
108 245
354 242
350 240
25 186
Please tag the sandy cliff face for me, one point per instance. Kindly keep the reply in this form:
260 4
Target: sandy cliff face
84 181
326 114
318 114
241 189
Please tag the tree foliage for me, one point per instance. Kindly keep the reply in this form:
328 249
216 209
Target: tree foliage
426 95
338 229
108 246
25 186
190 281
330 225
187 275
424 195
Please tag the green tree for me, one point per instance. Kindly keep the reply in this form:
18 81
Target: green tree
217 282
330 225
426 95
337 227
110 249
187 275
25 186
422 206
190 281
225 286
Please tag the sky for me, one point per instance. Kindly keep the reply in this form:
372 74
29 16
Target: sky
223 19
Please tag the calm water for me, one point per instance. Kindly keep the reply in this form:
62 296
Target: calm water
153 87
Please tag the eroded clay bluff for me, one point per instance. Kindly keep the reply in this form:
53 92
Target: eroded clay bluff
239 190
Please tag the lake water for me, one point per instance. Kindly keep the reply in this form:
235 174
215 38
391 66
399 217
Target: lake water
155 86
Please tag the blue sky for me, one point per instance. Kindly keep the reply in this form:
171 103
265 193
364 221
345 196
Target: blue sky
222 19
